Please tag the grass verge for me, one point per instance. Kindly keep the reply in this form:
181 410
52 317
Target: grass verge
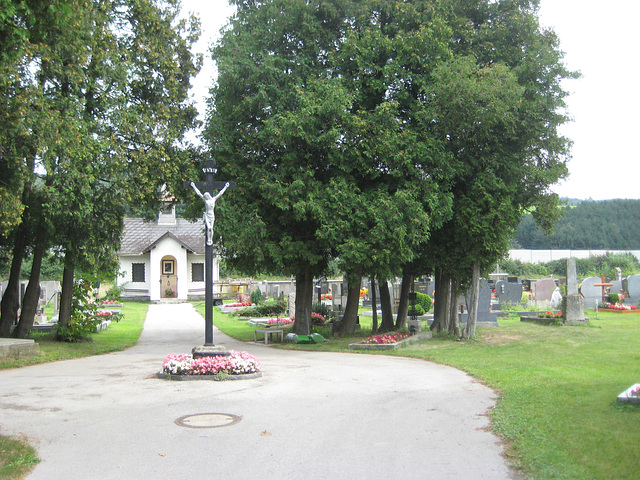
17 458
557 409
118 336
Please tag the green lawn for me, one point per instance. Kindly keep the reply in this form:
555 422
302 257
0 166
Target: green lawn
118 336
558 385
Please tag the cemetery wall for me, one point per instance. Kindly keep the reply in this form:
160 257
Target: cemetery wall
544 256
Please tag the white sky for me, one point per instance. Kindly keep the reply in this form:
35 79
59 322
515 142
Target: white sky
599 40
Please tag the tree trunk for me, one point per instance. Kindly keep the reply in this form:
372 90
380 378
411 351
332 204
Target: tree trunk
11 298
32 294
403 306
66 296
442 301
374 300
347 325
304 300
387 324
454 320
470 329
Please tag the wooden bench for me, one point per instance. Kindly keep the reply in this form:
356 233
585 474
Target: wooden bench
268 332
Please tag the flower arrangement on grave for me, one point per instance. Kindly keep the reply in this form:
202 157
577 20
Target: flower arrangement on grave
549 314
239 304
237 363
169 293
316 318
635 391
386 338
106 301
364 292
108 315
280 321
326 296
618 306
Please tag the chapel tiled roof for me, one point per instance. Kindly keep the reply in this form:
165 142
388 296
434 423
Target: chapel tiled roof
139 236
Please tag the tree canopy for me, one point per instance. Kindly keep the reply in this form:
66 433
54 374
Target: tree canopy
385 133
97 102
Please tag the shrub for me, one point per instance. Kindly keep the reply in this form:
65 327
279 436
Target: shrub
83 319
256 296
417 310
320 308
114 292
268 308
614 298
424 301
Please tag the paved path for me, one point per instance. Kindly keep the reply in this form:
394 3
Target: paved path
310 416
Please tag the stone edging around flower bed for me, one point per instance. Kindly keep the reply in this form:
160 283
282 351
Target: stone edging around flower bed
626 397
390 346
542 320
168 376
615 310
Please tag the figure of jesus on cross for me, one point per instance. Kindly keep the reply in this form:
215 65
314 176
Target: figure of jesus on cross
208 187
209 212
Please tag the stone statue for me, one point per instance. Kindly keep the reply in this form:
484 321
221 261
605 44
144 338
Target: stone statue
209 204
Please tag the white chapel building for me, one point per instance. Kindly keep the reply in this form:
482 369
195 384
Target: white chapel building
163 259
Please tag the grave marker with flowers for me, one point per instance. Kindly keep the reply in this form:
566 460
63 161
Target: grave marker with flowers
630 395
389 341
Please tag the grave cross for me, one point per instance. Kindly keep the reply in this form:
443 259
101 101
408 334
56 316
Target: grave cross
604 286
209 198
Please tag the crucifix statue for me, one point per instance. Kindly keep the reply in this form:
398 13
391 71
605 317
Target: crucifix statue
210 205
205 190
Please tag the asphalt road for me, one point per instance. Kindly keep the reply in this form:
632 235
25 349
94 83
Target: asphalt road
310 416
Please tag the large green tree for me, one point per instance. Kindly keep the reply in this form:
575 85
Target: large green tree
113 80
313 115
391 135
498 105
391 179
274 128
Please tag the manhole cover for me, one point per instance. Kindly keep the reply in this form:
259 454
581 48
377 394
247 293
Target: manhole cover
208 420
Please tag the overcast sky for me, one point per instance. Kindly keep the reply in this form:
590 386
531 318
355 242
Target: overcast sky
600 40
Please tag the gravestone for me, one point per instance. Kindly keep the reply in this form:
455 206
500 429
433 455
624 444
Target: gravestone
509 292
291 303
486 318
617 287
336 301
544 289
633 288
590 292
573 303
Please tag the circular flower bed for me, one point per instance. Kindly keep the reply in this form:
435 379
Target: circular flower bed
236 363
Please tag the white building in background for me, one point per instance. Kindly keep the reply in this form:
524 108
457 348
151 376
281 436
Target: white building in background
163 259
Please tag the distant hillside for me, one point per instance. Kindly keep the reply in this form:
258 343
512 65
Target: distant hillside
588 224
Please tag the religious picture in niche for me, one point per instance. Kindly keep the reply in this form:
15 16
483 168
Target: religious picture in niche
167 267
